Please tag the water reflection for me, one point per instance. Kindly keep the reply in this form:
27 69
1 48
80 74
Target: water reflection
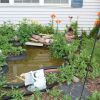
36 56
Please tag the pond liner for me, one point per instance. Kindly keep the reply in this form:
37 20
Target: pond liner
74 90
15 43
4 70
17 57
28 93
50 67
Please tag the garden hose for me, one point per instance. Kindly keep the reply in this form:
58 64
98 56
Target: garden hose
88 66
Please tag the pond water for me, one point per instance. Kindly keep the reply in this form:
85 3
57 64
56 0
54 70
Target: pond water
36 57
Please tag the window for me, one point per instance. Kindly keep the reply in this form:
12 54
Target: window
56 1
26 1
4 1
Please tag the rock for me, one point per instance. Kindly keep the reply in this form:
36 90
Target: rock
75 79
74 90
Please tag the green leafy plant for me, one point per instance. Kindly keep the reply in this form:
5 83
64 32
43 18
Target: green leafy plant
74 25
7 29
66 74
26 28
48 29
24 31
66 97
94 96
2 60
3 81
54 93
16 51
38 95
16 94
61 49
51 78
58 48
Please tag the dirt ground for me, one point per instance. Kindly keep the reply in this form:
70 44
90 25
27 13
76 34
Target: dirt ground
93 85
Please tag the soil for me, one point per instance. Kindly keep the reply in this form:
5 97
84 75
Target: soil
93 85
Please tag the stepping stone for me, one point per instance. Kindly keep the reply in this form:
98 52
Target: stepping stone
74 90
34 44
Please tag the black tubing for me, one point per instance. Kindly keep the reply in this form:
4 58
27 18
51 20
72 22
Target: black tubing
50 67
14 85
27 93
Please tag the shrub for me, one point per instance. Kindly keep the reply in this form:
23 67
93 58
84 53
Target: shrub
7 29
61 49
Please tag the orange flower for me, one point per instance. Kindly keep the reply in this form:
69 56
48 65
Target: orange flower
53 15
97 22
98 13
58 21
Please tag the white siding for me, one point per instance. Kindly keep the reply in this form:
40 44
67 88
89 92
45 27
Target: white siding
86 15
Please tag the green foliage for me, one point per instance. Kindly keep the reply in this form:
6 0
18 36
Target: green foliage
36 96
94 96
16 51
3 81
78 62
16 94
7 29
2 59
7 48
27 28
74 26
94 31
66 74
3 40
60 48
48 29
55 93
51 78
24 31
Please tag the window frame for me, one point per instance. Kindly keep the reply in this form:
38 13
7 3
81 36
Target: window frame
5 2
41 3
25 2
56 3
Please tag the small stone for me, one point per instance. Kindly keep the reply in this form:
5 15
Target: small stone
75 79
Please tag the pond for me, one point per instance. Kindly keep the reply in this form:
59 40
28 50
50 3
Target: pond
36 57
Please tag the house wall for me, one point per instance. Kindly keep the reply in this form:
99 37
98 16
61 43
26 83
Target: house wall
86 15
